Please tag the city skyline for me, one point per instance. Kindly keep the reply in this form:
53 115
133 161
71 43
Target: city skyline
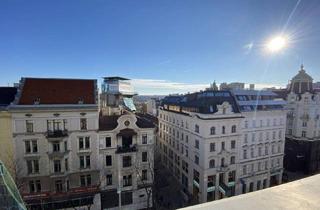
167 47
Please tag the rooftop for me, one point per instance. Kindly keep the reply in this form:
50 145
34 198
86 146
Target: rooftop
204 102
7 95
46 91
114 78
109 122
301 194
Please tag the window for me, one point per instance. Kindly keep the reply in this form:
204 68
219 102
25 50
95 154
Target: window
245 154
222 162
84 143
246 124
196 159
233 129
33 166
34 186
65 146
304 134
259 151
266 150
233 144
196 128
108 141
144 175
244 169
212 147
273 135
222 145
27 146
29 126
83 124
144 139
144 156
31 146
126 161
58 184
57 166
85 180
252 152
66 164
212 163
196 144
223 130
108 160
127 180
212 130
84 161
232 160
56 146
246 138
109 179
304 124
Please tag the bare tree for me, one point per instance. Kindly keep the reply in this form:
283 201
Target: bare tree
147 184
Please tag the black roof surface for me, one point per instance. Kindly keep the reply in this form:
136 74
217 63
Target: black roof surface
107 123
7 95
205 101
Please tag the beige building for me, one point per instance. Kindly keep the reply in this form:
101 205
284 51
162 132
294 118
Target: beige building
7 155
54 126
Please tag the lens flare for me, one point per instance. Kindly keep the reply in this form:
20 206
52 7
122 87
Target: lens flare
277 44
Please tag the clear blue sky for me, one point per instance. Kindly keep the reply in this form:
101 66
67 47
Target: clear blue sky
167 46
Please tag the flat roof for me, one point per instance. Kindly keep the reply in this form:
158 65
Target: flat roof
300 194
115 78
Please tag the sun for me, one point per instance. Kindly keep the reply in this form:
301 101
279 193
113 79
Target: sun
276 44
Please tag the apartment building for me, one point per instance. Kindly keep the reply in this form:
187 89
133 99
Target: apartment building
55 123
303 125
261 149
199 136
126 149
219 143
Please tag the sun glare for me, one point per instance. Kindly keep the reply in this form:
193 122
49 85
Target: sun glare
276 44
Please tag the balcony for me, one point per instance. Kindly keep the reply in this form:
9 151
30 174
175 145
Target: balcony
57 134
125 149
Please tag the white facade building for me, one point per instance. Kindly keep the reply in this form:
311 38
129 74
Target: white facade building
203 138
303 125
126 152
263 137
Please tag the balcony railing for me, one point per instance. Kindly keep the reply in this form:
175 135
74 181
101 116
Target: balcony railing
125 149
57 133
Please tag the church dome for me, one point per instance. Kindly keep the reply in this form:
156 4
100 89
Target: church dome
301 83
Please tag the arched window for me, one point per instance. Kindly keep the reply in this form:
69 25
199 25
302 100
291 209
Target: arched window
196 128
212 163
233 129
223 130
212 130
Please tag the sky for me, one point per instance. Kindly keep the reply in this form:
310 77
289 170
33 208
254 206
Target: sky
164 46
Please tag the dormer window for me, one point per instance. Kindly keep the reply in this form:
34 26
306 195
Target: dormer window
36 101
80 101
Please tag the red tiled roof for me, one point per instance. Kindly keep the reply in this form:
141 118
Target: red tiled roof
57 91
